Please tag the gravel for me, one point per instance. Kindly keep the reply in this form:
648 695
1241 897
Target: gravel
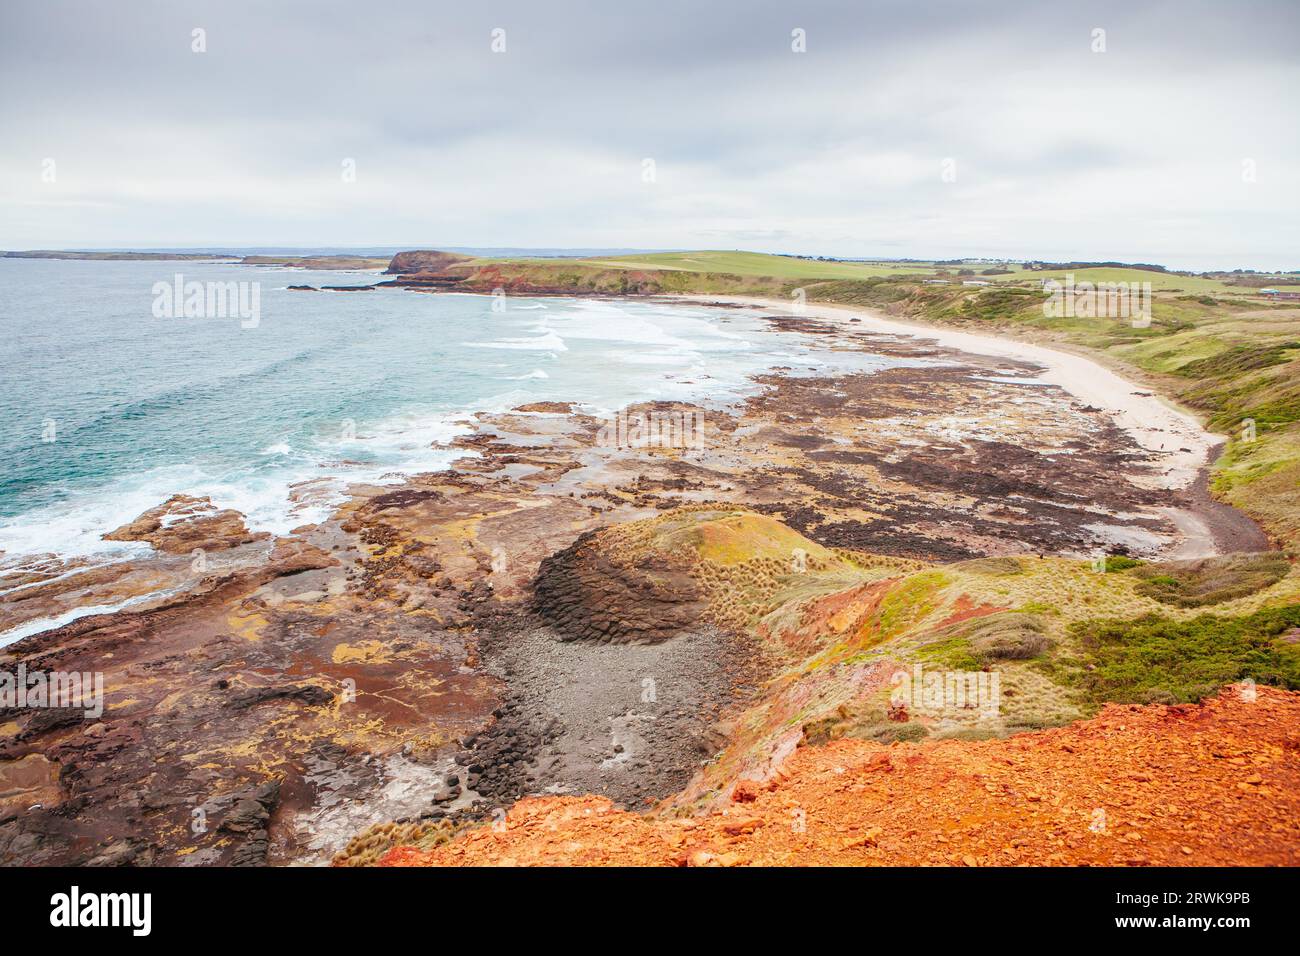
632 722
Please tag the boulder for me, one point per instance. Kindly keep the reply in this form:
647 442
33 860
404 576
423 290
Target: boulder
183 523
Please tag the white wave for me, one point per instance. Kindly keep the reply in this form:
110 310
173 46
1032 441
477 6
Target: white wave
600 354
274 497
67 617
547 342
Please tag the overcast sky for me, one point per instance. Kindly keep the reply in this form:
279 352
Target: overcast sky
1144 152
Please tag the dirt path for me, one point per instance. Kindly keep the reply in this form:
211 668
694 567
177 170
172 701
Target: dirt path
1223 529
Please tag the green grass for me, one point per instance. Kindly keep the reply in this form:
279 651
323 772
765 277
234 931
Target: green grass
1155 659
1120 562
756 264
953 653
1160 281
762 264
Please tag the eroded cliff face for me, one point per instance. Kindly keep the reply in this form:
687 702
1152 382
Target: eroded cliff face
587 594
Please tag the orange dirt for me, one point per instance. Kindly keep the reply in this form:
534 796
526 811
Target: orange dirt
1210 784
964 609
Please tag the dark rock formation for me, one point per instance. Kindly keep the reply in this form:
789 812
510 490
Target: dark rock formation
586 593
423 261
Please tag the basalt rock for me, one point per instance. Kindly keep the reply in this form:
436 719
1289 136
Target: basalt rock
249 817
587 593
309 694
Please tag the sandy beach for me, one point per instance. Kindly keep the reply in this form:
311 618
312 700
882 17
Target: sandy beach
1156 425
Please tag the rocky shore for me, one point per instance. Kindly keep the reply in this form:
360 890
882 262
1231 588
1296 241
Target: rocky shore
441 648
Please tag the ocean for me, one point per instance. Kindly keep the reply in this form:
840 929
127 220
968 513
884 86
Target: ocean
110 404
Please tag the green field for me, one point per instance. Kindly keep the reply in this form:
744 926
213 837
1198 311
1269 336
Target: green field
734 263
1160 281
758 264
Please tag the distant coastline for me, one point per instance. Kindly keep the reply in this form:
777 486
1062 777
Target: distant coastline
291 262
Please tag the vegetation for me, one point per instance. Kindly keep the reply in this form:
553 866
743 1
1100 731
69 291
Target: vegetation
1063 639
1120 562
1159 659
1211 580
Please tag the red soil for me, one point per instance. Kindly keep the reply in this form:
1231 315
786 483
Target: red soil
1210 784
964 609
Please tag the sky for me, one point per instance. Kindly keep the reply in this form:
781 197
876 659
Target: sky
925 129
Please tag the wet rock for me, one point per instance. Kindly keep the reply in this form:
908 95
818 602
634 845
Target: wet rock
560 408
183 523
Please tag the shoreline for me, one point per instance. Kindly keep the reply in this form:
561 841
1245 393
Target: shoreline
1204 526
1150 418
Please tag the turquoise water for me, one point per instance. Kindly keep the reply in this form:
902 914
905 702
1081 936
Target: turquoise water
328 388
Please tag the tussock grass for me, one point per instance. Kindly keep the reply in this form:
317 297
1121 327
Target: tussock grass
1211 580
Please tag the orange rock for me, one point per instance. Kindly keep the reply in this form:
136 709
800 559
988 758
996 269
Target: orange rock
746 791
955 802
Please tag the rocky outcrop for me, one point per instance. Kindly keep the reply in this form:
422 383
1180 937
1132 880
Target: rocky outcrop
430 262
183 524
248 820
550 408
646 581
588 592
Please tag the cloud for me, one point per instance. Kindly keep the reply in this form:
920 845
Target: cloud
1137 152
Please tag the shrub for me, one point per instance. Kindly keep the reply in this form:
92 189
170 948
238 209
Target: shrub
1157 659
1008 637
1211 580
976 644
